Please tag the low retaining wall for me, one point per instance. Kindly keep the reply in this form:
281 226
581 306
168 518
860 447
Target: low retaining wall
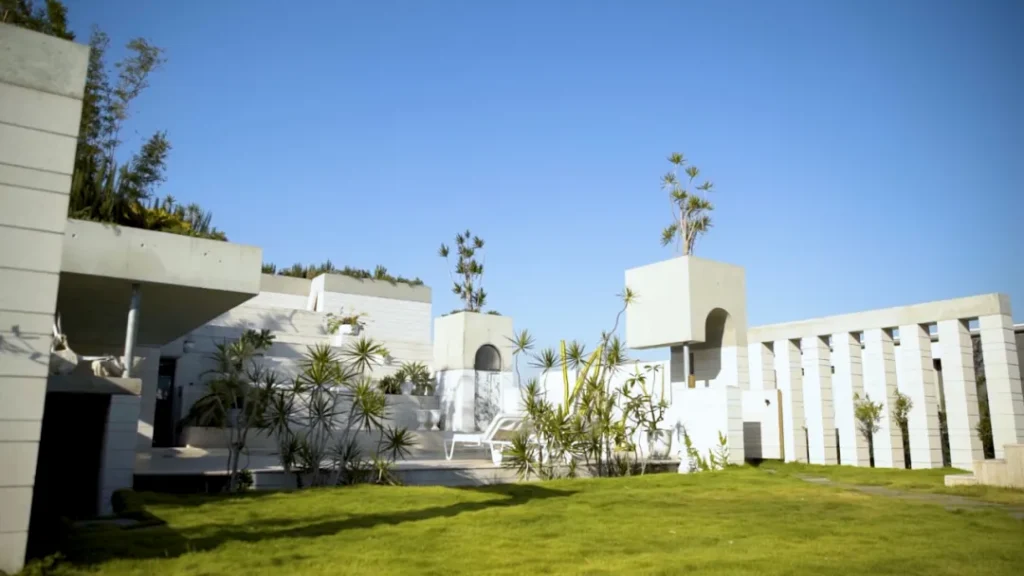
403 412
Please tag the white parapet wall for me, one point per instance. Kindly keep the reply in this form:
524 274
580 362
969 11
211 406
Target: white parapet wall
704 413
762 424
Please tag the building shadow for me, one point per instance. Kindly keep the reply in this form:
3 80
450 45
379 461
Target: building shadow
94 546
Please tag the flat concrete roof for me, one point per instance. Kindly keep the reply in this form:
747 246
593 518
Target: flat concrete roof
185 282
928 312
378 288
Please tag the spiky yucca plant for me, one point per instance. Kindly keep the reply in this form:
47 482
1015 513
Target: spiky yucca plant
469 271
594 424
691 209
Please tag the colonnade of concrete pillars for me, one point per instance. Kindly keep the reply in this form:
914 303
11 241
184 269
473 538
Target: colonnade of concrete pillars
819 375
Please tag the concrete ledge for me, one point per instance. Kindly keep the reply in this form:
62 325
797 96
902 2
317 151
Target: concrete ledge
379 288
185 282
957 308
285 284
110 251
960 480
90 384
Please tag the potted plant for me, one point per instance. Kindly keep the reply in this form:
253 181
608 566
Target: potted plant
341 325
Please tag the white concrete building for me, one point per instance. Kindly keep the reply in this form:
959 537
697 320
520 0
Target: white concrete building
163 301
295 310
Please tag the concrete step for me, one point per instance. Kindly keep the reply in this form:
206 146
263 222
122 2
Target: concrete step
1014 454
992 472
960 480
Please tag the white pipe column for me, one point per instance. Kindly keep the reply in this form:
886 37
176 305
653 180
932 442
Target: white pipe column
848 381
1003 380
923 421
961 391
132 329
787 363
880 384
818 409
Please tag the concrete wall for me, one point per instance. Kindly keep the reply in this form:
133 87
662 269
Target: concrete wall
41 84
706 412
898 346
119 443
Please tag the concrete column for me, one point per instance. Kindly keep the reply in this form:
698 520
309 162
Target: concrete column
920 385
457 390
1003 381
736 365
41 85
678 365
117 466
961 391
147 369
880 384
790 381
763 363
847 381
818 405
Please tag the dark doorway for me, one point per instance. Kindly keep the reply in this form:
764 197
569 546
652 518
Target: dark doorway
67 466
164 421
487 359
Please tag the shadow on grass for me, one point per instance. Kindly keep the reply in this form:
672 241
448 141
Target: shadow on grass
95 546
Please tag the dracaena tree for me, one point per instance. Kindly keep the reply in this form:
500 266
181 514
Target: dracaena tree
691 209
467 278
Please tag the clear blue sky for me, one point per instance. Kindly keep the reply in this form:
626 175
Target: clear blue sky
866 154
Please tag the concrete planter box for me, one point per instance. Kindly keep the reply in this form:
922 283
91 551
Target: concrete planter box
676 297
458 337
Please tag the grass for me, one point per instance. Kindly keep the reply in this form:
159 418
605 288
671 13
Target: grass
931 481
740 521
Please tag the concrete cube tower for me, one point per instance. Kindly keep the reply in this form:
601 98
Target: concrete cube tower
686 300
696 306
473 367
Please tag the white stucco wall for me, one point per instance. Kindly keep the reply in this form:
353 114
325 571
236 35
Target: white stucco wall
706 412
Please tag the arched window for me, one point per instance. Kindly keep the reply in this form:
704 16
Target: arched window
487 359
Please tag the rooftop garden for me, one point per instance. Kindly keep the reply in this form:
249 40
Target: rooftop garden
105 187
327 267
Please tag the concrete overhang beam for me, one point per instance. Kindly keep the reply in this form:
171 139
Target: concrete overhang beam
90 384
185 283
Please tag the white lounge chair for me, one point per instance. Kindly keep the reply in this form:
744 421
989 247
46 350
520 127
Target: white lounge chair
501 423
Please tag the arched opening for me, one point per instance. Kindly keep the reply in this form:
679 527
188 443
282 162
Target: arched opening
719 329
488 359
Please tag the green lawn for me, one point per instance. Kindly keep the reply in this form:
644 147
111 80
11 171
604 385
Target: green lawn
931 481
741 521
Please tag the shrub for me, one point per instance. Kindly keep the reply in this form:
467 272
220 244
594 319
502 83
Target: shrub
126 501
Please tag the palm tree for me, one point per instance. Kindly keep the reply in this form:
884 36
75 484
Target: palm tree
522 345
